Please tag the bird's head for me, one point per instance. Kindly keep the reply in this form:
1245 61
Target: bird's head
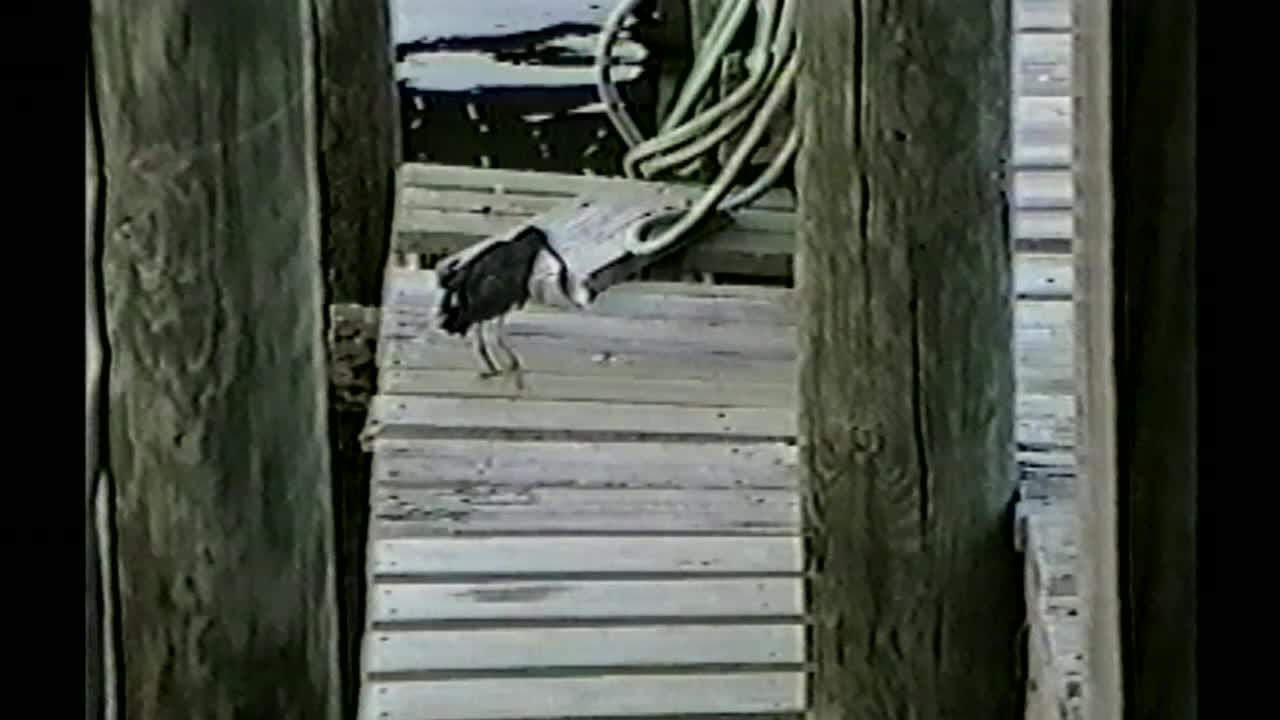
579 293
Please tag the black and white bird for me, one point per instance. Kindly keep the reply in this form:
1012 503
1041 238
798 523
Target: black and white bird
486 283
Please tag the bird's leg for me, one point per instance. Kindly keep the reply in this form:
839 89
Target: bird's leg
481 347
514 368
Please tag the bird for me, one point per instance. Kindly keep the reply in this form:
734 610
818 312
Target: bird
483 285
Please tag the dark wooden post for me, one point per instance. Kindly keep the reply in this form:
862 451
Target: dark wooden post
906 371
217 444
359 125
1154 121
359 144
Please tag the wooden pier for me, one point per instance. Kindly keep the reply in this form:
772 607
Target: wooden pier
622 537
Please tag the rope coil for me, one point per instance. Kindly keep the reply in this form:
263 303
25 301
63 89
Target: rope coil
748 109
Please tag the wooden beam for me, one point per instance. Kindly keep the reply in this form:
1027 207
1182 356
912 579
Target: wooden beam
359 134
906 369
215 397
1154 117
359 144
1095 353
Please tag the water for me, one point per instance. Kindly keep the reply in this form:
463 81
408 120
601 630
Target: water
509 84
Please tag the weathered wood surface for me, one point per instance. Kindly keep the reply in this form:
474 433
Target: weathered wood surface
906 370
1032 15
443 209
499 649
693 555
217 446
359 148
1095 497
631 509
598 696
558 600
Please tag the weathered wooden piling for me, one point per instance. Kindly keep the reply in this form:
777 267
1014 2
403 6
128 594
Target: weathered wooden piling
906 378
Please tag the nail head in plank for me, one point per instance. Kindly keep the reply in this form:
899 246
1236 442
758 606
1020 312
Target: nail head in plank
546 599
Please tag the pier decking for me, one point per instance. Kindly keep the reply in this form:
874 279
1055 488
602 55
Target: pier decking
622 537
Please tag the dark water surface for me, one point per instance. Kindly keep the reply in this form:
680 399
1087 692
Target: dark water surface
509 83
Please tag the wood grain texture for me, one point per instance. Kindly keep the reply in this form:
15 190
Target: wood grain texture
215 400
579 648
906 363
560 555
569 464
1042 131
554 599
1155 232
1042 64
588 697
443 209
1042 14
426 415
358 149
1095 497
634 341
552 509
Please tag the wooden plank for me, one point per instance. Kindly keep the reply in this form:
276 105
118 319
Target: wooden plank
1042 131
550 599
454 463
1043 224
1043 190
713 391
1042 341
584 647
670 337
425 414
1042 64
493 510
594 358
437 209
1097 497
535 555
1043 276
551 184
582 697
1042 14
655 301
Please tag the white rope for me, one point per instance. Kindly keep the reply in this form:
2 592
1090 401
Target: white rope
637 242
752 104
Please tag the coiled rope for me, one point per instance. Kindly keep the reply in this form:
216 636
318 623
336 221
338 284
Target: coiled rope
771 70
